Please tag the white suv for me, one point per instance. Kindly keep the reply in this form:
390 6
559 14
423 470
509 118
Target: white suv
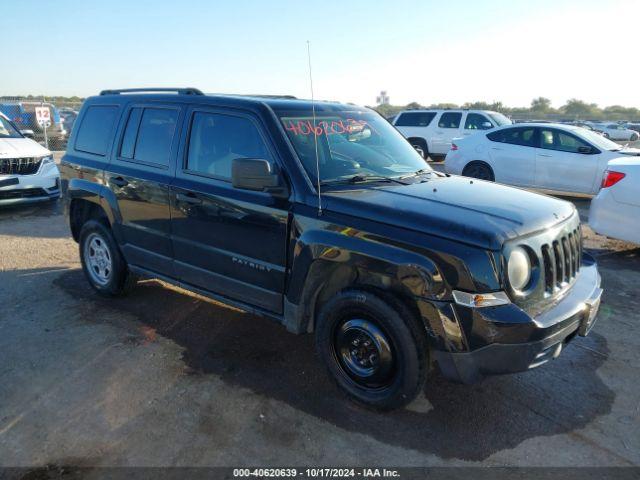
433 130
27 170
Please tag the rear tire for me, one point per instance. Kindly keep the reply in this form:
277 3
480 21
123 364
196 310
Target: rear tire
479 170
634 137
422 145
373 348
102 263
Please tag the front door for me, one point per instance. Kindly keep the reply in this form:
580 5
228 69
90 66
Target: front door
139 175
562 166
227 241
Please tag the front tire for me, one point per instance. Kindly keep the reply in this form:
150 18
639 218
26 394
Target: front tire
373 348
102 263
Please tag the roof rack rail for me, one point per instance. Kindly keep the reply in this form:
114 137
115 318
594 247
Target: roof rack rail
179 91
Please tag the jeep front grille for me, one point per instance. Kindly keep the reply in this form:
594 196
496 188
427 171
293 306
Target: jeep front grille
556 257
20 166
561 260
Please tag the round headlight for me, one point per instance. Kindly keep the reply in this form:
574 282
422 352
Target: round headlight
519 268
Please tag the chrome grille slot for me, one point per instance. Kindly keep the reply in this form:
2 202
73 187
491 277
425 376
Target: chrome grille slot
20 166
549 265
561 260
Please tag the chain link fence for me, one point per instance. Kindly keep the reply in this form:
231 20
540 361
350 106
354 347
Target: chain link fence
28 115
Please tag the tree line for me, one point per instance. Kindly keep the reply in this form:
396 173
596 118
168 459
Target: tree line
539 109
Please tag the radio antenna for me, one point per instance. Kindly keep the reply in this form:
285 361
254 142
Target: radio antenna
315 135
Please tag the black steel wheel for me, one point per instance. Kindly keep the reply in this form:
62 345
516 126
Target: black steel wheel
373 347
364 352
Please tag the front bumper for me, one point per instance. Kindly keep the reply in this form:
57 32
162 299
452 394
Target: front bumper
513 341
42 186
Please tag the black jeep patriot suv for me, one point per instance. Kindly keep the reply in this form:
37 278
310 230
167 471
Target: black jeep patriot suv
322 217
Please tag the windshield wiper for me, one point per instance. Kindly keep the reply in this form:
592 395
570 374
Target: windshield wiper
365 178
417 173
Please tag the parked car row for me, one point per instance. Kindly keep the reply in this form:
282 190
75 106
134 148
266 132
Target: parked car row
23 116
432 131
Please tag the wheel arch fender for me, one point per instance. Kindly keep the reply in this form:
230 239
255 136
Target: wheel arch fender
325 262
91 193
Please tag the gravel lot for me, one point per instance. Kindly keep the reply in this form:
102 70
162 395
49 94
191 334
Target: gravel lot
163 377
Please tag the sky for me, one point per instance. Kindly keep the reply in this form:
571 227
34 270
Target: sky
424 51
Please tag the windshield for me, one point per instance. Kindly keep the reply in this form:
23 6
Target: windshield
598 140
7 130
350 143
499 118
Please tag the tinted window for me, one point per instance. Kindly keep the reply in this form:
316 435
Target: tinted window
155 135
131 133
450 120
95 130
561 141
415 119
217 139
514 136
475 121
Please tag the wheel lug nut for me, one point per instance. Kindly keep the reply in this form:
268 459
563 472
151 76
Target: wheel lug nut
355 343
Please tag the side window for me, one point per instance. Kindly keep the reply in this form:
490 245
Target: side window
561 141
216 139
415 119
475 121
450 120
95 130
514 136
149 134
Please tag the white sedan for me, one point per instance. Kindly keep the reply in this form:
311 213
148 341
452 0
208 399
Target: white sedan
546 156
615 131
615 212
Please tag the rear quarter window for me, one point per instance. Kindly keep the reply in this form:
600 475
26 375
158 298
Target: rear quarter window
96 128
415 119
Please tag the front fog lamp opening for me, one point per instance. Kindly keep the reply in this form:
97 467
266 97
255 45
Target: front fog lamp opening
519 269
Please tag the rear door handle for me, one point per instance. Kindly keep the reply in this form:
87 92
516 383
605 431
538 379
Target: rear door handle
188 198
495 148
119 181
544 155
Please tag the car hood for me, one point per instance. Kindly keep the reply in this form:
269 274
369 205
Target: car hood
471 211
635 152
21 147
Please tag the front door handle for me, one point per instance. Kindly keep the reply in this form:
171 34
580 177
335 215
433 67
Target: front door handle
545 155
188 198
119 181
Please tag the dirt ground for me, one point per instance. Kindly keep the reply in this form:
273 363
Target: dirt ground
162 377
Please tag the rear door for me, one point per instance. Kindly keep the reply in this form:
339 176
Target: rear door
228 241
139 175
449 126
561 166
513 154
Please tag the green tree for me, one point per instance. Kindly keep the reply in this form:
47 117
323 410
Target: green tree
541 105
578 108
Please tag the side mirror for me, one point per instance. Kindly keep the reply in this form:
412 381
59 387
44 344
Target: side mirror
585 149
487 125
258 175
28 134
